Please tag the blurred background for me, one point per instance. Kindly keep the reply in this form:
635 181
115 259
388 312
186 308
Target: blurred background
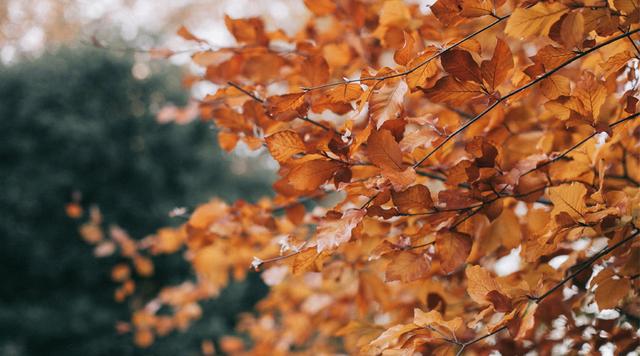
80 124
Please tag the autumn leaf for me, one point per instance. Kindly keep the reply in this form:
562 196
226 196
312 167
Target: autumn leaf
568 198
287 107
332 234
434 319
309 175
316 70
535 20
497 70
320 7
384 151
386 103
479 284
415 198
423 69
249 30
284 144
407 266
461 65
476 8
187 35
449 90
452 248
610 292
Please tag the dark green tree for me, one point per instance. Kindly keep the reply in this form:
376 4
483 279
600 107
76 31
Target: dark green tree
77 121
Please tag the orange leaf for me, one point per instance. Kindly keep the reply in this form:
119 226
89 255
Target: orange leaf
479 284
384 151
449 90
249 30
187 35
336 232
386 103
407 266
496 71
610 292
321 7
316 70
453 248
287 107
415 198
284 144
476 8
309 175
568 198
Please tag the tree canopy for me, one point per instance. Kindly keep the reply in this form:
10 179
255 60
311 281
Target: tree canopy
476 169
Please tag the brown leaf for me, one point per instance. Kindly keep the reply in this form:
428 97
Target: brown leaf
407 266
316 70
406 53
187 35
568 198
480 283
476 8
414 199
572 29
309 175
497 70
449 90
461 65
424 71
248 30
284 144
386 103
384 151
287 107
610 292
452 248
333 233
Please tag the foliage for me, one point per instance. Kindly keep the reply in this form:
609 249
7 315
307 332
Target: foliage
77 121
467 136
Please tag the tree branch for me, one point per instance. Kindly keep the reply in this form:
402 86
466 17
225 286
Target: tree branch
418 66
522 88
584 265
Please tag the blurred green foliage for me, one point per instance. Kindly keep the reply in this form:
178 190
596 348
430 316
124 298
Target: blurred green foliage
78 121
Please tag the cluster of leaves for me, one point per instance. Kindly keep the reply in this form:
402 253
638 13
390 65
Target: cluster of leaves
459 138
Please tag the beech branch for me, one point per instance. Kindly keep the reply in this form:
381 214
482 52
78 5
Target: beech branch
262 101
418 66
521 89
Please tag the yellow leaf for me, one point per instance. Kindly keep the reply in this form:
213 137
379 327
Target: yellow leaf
535 20
568 198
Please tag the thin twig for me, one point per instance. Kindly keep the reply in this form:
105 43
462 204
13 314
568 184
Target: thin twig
418 66
574 147
522 88
584 265
262 101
